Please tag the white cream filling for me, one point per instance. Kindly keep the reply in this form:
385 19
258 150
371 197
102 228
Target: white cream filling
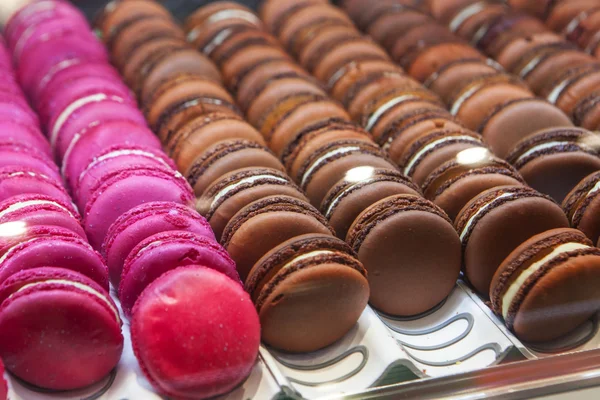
62 118
481 210
250 180
305 257
542 146
341 195
385 107
557 91
456 106
574 24
120 153
531 65
214 43
77 285
418 155
317 163
512 291
24 204
465 14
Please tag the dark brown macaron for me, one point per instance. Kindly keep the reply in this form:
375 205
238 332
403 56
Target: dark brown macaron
516 49
548 286
498 220
246 59
582 206
586 113
411 252
340 84
501 31
538 8
454 183
563 12
424 35
209 25
332 161
274 220
474 101
451 78
512 122
365 14
311 51
358 190
393 22
233 191
574 84
474 21
195 137
290 284
431 150
238 41
142 31
445 10
275 13
584 28
554 161
116 15
143 55
226 156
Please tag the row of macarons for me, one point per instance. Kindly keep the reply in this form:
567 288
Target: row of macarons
138 212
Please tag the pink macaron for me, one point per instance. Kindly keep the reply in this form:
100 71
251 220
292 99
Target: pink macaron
21 180
22 155
53 247
36 210
60 329
111 160
90 143
125 189
165 251
16 109
3 383
144 221
12 131
195 333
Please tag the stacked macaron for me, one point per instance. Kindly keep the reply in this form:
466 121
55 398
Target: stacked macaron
254 208
137 211
54 300
333 160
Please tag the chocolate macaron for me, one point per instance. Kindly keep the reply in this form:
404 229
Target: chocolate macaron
582 206
498 220
291 282
548 286
411 252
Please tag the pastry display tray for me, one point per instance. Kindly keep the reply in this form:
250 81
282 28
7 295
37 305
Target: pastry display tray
459 339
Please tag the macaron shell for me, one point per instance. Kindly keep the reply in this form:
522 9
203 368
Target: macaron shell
15 132
165 334
435 57
17 181
447 81
12 155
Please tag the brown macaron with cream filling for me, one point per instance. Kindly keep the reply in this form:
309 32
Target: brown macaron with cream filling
411 252
498 220
582 206
290 284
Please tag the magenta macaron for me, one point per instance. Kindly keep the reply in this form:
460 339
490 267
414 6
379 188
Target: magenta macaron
60 329
35 209
165 251
21 180
22 155
122 190
15 132
203 341
144 221
51 246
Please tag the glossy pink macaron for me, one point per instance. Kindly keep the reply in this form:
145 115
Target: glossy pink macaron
21 155
87 112
38 210
195 333
125 189
112 160
12 131
90 143
60 329
165 251
51 246
144 221
20 180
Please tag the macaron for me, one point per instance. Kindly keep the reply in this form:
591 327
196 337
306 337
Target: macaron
580 206
35 210
275 13
50 314
227 156
547 286
165 251
3 384
357 190
586 113
128 188
562 13
499 31
20 180
238 41
511 122
516 48
308 270
143 221
572 85
454 183
15 132
410 251
22 155
330 163
555 160
42 246
276 219
233 191
209 322
498 220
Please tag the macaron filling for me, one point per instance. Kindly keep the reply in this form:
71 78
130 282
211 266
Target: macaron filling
490 204
578 205
529 269
419 155
29 203
555 145
381 110
77 285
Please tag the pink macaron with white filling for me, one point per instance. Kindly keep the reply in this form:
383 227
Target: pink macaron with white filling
21 180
